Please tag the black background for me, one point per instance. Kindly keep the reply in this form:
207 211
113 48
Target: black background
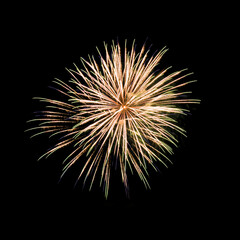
186 195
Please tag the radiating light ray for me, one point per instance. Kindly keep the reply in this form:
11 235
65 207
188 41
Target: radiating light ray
119 111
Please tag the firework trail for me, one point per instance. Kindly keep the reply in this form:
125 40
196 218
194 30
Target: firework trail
120 111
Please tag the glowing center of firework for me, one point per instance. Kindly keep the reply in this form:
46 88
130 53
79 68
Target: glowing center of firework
123 107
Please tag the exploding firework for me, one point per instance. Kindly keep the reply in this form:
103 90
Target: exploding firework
120 111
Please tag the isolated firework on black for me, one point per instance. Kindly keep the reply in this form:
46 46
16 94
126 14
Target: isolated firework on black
120 111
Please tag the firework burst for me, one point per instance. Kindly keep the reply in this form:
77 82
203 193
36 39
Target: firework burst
120 112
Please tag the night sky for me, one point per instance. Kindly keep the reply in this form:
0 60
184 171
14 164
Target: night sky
52 38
